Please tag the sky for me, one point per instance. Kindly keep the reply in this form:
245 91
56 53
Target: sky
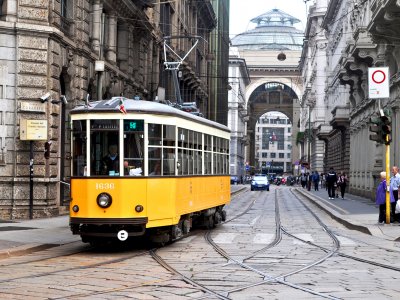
242 11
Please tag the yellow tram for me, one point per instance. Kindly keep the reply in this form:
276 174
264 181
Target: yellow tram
145 168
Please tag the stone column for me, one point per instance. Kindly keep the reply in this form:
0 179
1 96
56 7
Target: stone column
111 54
96 25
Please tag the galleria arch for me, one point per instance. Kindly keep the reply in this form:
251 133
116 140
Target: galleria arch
274 94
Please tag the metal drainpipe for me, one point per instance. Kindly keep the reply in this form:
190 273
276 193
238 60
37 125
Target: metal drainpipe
14 172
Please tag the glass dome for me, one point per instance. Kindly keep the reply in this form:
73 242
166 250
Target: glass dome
274 31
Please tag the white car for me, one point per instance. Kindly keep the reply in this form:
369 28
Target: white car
260 182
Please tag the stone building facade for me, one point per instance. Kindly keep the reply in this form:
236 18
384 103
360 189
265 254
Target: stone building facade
237 112
359 35
84 49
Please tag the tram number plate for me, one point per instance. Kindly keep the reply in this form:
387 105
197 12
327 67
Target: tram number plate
105 186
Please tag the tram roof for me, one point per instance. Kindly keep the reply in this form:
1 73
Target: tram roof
141 106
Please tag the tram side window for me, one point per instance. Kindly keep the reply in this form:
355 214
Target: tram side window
79 148
169 135
169 161
133 147
104 147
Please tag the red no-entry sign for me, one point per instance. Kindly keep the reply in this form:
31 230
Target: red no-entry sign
378 82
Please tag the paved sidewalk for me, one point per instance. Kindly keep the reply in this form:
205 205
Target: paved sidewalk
354 212
20 237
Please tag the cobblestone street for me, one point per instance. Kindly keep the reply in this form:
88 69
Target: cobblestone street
274 245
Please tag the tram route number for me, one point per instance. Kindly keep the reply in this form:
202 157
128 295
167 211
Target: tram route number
105 186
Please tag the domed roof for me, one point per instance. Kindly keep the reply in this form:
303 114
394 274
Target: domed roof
274 31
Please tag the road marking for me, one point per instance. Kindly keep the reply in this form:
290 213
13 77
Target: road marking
263 238
304 236
225 238
254 220
345 241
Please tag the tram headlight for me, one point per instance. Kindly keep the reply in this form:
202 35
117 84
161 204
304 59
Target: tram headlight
75 208
138 208
104 200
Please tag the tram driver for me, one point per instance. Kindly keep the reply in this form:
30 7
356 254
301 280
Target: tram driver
111 161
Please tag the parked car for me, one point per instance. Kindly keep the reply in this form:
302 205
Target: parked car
234 179
260 182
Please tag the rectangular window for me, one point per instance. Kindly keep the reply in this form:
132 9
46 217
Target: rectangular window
104 150
168 162
169 135
154 134
79 148
273 155
281 155
154 157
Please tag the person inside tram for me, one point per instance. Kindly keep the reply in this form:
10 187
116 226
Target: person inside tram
134 170
111 161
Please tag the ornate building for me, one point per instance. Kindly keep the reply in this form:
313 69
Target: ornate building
272 51
360 35
85 49
237 112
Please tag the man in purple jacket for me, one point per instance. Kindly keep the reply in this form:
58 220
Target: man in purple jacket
381 199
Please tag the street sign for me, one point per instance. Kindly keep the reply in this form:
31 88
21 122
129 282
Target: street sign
247 168
378 82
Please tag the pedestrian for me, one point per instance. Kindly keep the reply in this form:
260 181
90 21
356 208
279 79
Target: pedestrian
394 190
316 181
331 179
342 183
303 180
309 181
380 198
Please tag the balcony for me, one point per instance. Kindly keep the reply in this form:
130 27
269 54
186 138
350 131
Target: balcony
340 117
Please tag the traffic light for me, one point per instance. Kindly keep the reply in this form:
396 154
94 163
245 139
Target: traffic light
382 128
47 150
386 128
376 128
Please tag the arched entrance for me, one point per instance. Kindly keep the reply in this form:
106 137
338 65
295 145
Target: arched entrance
278 95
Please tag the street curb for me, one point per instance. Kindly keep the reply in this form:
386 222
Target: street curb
24 249
348 224
238 191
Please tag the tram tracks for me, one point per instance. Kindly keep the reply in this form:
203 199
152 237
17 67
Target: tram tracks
265 277
268 278
340 253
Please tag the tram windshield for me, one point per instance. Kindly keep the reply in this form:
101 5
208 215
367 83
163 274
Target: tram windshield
104 148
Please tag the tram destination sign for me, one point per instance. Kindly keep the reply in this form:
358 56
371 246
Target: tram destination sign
133 125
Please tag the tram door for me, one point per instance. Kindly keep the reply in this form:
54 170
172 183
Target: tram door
134 147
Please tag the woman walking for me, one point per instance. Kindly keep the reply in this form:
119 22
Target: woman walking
342 183
381 198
